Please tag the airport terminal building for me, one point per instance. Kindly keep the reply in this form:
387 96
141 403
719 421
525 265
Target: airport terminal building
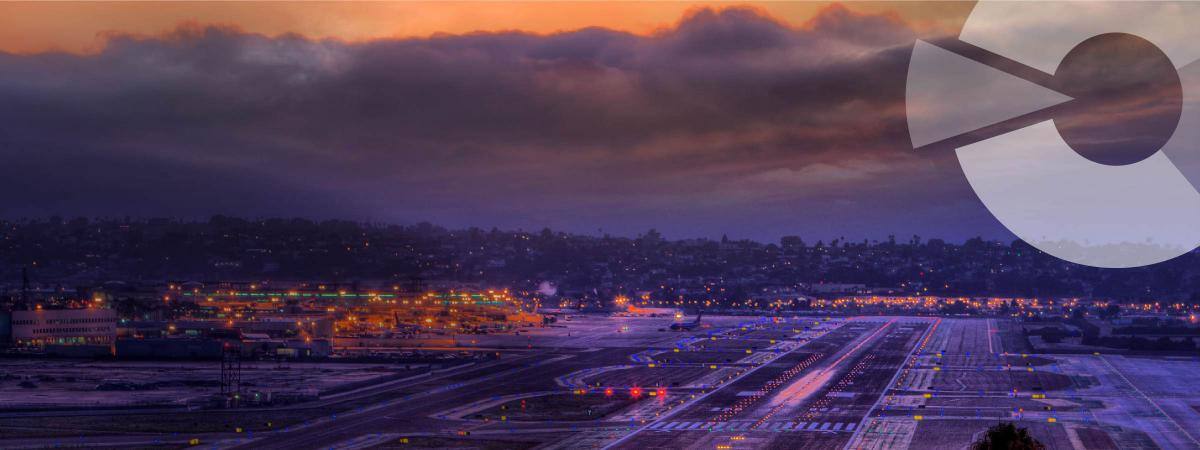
42 327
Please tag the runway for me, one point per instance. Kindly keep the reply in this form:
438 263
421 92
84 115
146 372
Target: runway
813 397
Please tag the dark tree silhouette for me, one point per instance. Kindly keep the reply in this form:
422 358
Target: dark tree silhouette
1007 436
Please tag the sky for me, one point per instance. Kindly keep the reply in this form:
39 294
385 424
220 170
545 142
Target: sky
698 120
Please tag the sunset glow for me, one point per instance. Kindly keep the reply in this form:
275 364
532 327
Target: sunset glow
75 27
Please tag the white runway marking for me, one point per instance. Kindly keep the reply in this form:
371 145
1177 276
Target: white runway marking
771 427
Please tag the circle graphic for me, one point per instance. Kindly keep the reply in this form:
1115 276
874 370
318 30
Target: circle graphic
1030 179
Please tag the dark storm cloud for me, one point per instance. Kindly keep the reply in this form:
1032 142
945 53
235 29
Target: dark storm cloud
730 122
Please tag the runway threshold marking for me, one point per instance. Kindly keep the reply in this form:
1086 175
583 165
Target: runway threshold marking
770 427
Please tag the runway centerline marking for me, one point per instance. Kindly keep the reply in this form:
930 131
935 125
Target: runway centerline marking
819 376
862 425
706 394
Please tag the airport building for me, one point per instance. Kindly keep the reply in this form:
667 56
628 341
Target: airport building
44 327
324 312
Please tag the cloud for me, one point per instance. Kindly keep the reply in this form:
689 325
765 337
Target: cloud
682 130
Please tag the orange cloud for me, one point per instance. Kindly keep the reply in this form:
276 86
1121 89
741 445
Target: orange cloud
81 27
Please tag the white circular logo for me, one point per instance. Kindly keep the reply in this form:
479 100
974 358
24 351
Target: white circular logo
1030 179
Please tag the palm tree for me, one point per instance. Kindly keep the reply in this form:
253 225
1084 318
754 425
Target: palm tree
1006 436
